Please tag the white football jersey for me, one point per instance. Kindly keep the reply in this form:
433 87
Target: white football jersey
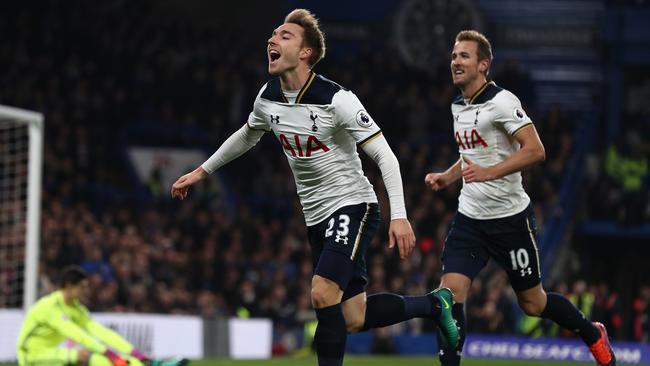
484 129
319 132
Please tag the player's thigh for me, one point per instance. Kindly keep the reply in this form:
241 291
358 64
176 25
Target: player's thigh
49 357
339 245
464 253
513 244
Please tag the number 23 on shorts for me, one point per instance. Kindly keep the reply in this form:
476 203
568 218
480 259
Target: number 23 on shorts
342 228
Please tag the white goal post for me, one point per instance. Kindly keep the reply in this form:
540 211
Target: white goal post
21 162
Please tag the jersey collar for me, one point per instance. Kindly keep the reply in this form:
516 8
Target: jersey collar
317 90
302 91
473 98
479 96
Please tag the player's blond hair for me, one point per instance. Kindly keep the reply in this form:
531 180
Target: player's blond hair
314 38
484 49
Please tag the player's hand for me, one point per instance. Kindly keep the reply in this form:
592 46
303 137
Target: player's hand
473 172
436 181
182 185
115 358
401 233
140 355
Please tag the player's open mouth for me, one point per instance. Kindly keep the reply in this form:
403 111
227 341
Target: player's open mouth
274 55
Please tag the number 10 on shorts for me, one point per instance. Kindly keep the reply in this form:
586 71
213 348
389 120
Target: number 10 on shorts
520 261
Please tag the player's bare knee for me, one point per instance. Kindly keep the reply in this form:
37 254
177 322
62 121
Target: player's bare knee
460 294
353 327
531 308
532 301
323 293
459 291
83 356
354 324
318 297
354 312
458 284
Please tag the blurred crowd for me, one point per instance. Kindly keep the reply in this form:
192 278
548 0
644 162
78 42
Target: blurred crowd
109 75
621 177
619 170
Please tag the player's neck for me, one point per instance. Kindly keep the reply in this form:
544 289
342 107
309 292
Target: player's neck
295 79
471 89
67 296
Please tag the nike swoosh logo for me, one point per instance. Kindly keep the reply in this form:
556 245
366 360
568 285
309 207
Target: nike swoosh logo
446 305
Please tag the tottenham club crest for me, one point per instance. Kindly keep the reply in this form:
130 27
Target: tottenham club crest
363 119
313 118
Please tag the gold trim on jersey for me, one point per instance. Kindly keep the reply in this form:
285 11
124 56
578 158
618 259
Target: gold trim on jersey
360 232
480 91
521 128
302 91
370 138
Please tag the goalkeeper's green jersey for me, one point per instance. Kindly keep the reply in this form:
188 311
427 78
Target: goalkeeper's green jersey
51 320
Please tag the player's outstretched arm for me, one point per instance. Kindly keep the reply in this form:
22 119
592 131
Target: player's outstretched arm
112 339
74 332
400 231
237 144
126 354
438 181
530 153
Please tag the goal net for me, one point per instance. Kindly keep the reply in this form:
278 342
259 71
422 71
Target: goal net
21 159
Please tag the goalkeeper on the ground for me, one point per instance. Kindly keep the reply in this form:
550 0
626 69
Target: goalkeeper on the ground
61 315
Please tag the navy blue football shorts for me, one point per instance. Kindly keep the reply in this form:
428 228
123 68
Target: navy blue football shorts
339 243
511 241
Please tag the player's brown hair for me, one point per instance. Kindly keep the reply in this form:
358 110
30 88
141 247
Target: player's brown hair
72 275
484 49
314 38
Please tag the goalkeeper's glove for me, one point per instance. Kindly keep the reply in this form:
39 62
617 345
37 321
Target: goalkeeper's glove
116 359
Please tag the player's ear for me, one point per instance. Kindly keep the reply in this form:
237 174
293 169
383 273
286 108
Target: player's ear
483 66
305 52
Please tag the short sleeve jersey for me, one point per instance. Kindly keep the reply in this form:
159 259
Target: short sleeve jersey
319 134
484 129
